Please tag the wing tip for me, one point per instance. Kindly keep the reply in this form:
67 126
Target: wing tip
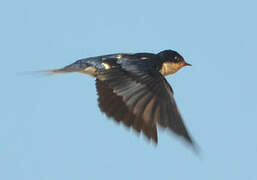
194 146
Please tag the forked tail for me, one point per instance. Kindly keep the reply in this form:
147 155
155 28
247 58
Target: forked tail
78 66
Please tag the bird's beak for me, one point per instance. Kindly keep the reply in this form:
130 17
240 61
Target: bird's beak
187 64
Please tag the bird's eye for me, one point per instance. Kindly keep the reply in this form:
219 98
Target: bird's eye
176 58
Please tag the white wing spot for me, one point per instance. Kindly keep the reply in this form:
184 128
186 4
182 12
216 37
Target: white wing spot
106 66
119 56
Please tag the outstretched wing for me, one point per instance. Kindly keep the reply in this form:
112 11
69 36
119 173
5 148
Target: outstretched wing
139 96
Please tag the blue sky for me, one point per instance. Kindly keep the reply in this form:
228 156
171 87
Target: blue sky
51 127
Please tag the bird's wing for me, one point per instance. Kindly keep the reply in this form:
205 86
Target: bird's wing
113 106
139 96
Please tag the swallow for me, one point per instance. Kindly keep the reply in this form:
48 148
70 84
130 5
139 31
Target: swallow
132 89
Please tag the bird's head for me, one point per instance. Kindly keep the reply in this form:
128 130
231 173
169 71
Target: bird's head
171 62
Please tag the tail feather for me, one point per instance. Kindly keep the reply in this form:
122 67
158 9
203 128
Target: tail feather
43 72
78 66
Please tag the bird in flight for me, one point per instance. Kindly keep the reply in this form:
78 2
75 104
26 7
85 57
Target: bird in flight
132 89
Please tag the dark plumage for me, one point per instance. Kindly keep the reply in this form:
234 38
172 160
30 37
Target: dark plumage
132 89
